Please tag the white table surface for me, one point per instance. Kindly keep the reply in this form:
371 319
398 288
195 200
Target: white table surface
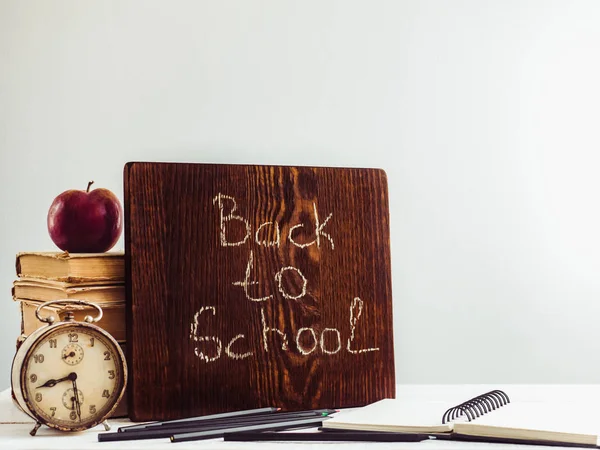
15 426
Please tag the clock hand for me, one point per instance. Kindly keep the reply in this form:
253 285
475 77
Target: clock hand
52 382
77 402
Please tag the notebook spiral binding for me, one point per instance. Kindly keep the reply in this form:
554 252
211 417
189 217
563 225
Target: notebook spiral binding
477 406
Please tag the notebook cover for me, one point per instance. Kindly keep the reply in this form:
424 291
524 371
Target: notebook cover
252 286
471 438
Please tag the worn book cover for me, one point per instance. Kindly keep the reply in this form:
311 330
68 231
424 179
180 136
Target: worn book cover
71 267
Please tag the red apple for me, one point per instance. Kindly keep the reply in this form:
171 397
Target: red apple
84 221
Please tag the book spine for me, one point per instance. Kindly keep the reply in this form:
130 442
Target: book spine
18 265
22 318
75 280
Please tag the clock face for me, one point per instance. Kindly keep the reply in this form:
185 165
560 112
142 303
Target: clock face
72 377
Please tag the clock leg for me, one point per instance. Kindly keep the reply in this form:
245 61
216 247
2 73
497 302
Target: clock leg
37 427
106 425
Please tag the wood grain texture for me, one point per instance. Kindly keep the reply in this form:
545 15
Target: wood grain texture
220 257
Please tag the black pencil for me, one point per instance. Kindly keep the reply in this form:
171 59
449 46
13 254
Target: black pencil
133 435
303 423
277 416
349 436
246 412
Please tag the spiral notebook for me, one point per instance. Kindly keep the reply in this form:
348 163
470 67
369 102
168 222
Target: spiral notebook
487 417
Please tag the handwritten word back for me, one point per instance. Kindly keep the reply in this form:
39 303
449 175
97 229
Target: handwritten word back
227 217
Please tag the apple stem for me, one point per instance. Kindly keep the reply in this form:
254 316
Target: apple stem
89 184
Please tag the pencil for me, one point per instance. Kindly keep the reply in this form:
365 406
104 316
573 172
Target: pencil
246 412
359 436
279 417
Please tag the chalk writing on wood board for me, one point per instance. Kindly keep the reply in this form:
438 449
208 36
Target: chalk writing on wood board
255 286
226 215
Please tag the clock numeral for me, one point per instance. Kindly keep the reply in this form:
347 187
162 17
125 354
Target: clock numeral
111 374
33 378
107 356
91 342
92 409
73 337
105 393
73 415
52 343
38 358
38 397
53 409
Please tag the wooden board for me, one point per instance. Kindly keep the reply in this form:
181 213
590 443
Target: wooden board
252 286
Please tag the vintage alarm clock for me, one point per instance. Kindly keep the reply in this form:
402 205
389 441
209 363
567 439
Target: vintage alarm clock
69 375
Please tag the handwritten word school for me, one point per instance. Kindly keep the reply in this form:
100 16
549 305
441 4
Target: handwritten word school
329 342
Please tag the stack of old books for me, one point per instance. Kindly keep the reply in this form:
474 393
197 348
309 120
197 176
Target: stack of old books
93 277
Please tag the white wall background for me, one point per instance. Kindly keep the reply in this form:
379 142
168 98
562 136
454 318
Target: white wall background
485 115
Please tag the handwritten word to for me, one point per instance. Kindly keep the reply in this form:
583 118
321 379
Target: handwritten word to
278 276
329 341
